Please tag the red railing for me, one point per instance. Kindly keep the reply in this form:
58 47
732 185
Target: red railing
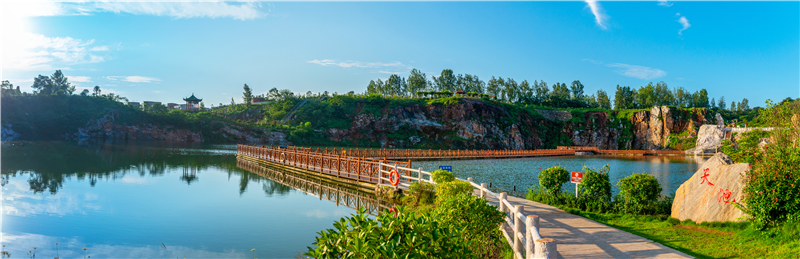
358 168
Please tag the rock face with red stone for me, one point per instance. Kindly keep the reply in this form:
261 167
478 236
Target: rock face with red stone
712 191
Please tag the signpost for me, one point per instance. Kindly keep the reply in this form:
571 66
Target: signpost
448 168
576 178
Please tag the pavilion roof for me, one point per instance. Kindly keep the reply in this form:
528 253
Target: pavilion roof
192 99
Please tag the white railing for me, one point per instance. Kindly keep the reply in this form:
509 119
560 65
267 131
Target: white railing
386 169
524 237
748 129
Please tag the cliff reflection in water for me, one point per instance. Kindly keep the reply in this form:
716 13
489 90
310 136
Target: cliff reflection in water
50 164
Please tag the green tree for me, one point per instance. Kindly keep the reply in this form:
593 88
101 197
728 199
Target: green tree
396 85
744 105
416 81
576 89
525 92
97 90
602 100
624 98
446 81
60 84
248 95
560 91
733 106
42 85
493 87
85 92
511 90
541 91
722 104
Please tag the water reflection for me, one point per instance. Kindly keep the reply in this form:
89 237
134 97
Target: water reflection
341 194
49 164
121 200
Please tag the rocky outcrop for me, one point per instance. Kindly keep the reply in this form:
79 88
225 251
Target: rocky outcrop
719 120
712 191
475 124
709 138
8 134
555 115
107 127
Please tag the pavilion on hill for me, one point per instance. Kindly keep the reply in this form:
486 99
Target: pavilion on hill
192 103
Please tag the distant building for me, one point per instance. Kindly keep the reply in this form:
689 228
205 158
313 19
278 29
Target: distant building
182 107
460 92
173 106
192 103
259 100
134 104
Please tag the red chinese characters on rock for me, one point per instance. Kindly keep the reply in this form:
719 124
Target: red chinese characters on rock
705 178
724 196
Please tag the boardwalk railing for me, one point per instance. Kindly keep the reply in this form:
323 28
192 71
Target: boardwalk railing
621 152
433 154
357 168
330 191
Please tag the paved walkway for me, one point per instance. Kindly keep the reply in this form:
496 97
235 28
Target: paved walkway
579 237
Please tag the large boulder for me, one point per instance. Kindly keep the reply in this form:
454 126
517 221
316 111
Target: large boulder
709 138
712 191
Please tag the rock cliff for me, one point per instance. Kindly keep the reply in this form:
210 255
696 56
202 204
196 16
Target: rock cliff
476 124
107 127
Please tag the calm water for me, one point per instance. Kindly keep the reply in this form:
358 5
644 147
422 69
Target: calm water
123 200
504 174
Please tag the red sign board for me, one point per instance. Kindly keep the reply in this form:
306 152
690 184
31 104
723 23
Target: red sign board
576 177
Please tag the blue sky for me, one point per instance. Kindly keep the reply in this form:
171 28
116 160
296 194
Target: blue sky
166 51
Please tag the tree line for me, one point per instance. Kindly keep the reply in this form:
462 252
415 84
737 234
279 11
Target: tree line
541 93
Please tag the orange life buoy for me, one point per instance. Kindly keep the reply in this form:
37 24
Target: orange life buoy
393 210
392 179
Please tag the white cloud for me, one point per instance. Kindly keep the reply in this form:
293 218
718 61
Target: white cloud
685 22
133 79
28 51
350 63
99 48
176 9
640 72
599 15
82 79
390 72
664 3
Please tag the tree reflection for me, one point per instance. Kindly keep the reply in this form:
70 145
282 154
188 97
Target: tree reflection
48 164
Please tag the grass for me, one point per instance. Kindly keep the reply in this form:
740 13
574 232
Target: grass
707 240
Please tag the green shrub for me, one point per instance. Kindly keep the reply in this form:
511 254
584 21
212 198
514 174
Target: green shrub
448 189
478 220
422 192
745 149
595 185
771 187
409 235
551 179
638 191
442 176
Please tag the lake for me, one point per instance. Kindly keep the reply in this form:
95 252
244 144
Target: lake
505 174
123 200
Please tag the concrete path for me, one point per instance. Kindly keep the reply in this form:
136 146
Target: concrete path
579 237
